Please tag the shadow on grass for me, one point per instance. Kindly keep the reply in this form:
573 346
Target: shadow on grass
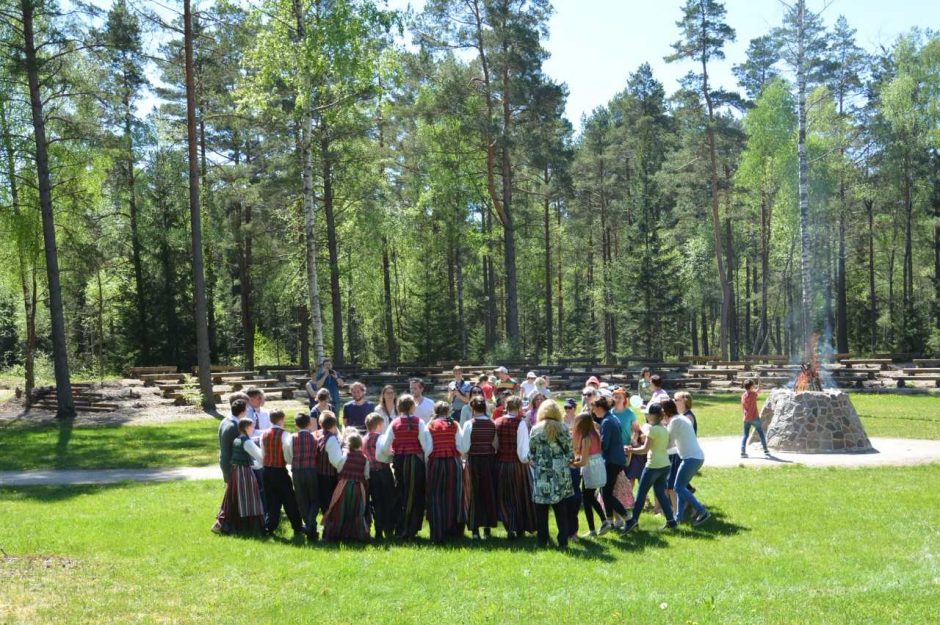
61 492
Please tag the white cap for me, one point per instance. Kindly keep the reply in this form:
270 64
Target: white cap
531 374
501 370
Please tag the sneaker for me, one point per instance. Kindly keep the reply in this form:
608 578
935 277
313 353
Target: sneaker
767 453
605 527
629 526
670 525
701 518
618 525
591 534
744 454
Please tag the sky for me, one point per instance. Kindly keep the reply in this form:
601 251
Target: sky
596 44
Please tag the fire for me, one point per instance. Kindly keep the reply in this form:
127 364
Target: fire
808 379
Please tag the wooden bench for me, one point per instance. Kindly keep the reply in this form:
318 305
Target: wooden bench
902 380
926 362
701 383
152 378
262 383
767 358
728 374
217 369
898 357
716 364
135 372
701 360
881 363
221 377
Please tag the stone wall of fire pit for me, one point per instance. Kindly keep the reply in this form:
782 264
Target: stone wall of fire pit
813 422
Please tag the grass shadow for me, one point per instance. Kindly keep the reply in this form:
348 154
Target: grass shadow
62 443
62 492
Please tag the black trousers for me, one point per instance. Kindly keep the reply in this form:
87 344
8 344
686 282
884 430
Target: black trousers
308 499
279 491
591 505
561 520
611 503
326 484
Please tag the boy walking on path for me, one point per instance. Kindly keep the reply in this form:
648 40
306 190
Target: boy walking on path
751 417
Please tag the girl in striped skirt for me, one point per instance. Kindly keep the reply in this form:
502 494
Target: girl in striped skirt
479 434
347 516
382 503
514 482
408 442
447 488
242 495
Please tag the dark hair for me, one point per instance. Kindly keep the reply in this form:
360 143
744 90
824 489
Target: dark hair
669 407
406 403
253 391
236 395
244 423
476 389
656 380
601 402
277 416
327 420
749 384
302 420
478 405
655 411
513 403
644 370
239 406
441 408
323 394
483 378
417 381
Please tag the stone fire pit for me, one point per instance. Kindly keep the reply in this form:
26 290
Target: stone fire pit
813 422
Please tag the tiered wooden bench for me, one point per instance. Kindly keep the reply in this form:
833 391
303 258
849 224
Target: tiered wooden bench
701 360
223 377
919 374
150 379
136 372
83 397
770 359
217 369
881 363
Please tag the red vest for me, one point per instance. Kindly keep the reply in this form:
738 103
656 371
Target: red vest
481 438
507 429
370 450
406 441
444 438
323 458
355 467
305 450
273 447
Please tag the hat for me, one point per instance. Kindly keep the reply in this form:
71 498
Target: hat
603 392
570 403
501 370
592 380
530 374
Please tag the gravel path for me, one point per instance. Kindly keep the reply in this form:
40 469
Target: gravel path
720 451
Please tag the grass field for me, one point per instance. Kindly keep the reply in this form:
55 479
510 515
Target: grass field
194 442
795 545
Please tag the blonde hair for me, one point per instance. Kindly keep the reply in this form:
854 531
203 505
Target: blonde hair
550 415
684 396
373 420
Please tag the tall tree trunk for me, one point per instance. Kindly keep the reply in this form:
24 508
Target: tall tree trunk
203 357
304 318
872 301
732 312
66 403
764 270
936 239
549 321
390 340
169 271
561 267
208 252
805 275
705 349
693 330
335 292
130 162
723 280
243 215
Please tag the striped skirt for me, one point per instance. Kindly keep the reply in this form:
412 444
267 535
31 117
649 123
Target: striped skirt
383 500
482 511
447 498
514 496
241 508
346 517
410 484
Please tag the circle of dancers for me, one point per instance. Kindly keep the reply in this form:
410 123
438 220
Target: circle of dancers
496 452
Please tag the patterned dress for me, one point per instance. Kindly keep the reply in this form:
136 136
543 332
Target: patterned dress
549 461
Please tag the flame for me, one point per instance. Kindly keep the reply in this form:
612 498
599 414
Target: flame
808 379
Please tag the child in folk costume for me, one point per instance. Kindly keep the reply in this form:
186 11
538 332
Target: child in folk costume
329 451
228 432
348 515
447 488
276 453
242 497
407 439
514 483
382 501
303 468
479 433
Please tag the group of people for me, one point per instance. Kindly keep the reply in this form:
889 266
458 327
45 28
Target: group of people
484 457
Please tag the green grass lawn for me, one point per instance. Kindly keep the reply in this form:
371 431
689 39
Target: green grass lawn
194 442
59 446
794 545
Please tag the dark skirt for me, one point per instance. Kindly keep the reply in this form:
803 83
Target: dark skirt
383 500
241 509
410 475
482 511
514 496
635 469
447 498
346 518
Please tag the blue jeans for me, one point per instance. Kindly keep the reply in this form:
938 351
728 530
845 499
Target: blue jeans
655 479
687 470
760 432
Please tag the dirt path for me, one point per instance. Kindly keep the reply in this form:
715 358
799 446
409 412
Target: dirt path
720 451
